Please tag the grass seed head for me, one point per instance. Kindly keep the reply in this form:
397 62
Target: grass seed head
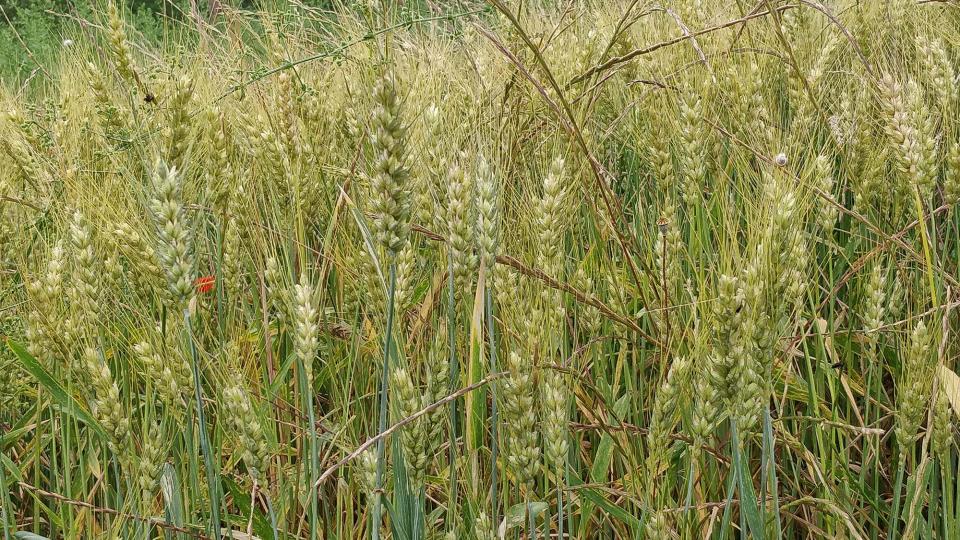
412 437
914 386
390 176
246 427
173 233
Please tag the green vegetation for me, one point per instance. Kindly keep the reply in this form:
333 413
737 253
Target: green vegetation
479 270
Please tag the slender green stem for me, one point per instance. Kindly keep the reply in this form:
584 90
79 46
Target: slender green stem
212 474
532 520
312 432
559 504
894 520
947 513
382 423
691 473
5 505
769 451
494 440
454 382
272 514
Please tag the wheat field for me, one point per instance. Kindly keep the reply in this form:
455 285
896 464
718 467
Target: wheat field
508 269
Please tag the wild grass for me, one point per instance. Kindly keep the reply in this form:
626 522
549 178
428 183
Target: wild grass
601 270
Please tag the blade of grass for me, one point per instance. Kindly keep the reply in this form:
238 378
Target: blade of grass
57 393
454 383
748 497
5 506
770 454
313 462
212 473
894 518
494 420
382 422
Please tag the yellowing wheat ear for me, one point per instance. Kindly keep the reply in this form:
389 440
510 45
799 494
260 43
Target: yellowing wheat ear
45 321
85 289
306 325
914 386
665 415
413 437
122 58
943 426
149 460
169 371
951 180
179 120
108 408
173 234
488 217
390 177
246 428
521 450
461 226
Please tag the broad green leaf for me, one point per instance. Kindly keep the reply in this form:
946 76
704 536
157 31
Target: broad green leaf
13 435
280 378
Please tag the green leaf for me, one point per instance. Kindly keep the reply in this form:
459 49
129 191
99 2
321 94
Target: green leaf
476 401
172 496
261 526
748 497
280 378
9 465
57 393
516 515
611 509
768 445
23 535
368 241
601 464
403 509
12 435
